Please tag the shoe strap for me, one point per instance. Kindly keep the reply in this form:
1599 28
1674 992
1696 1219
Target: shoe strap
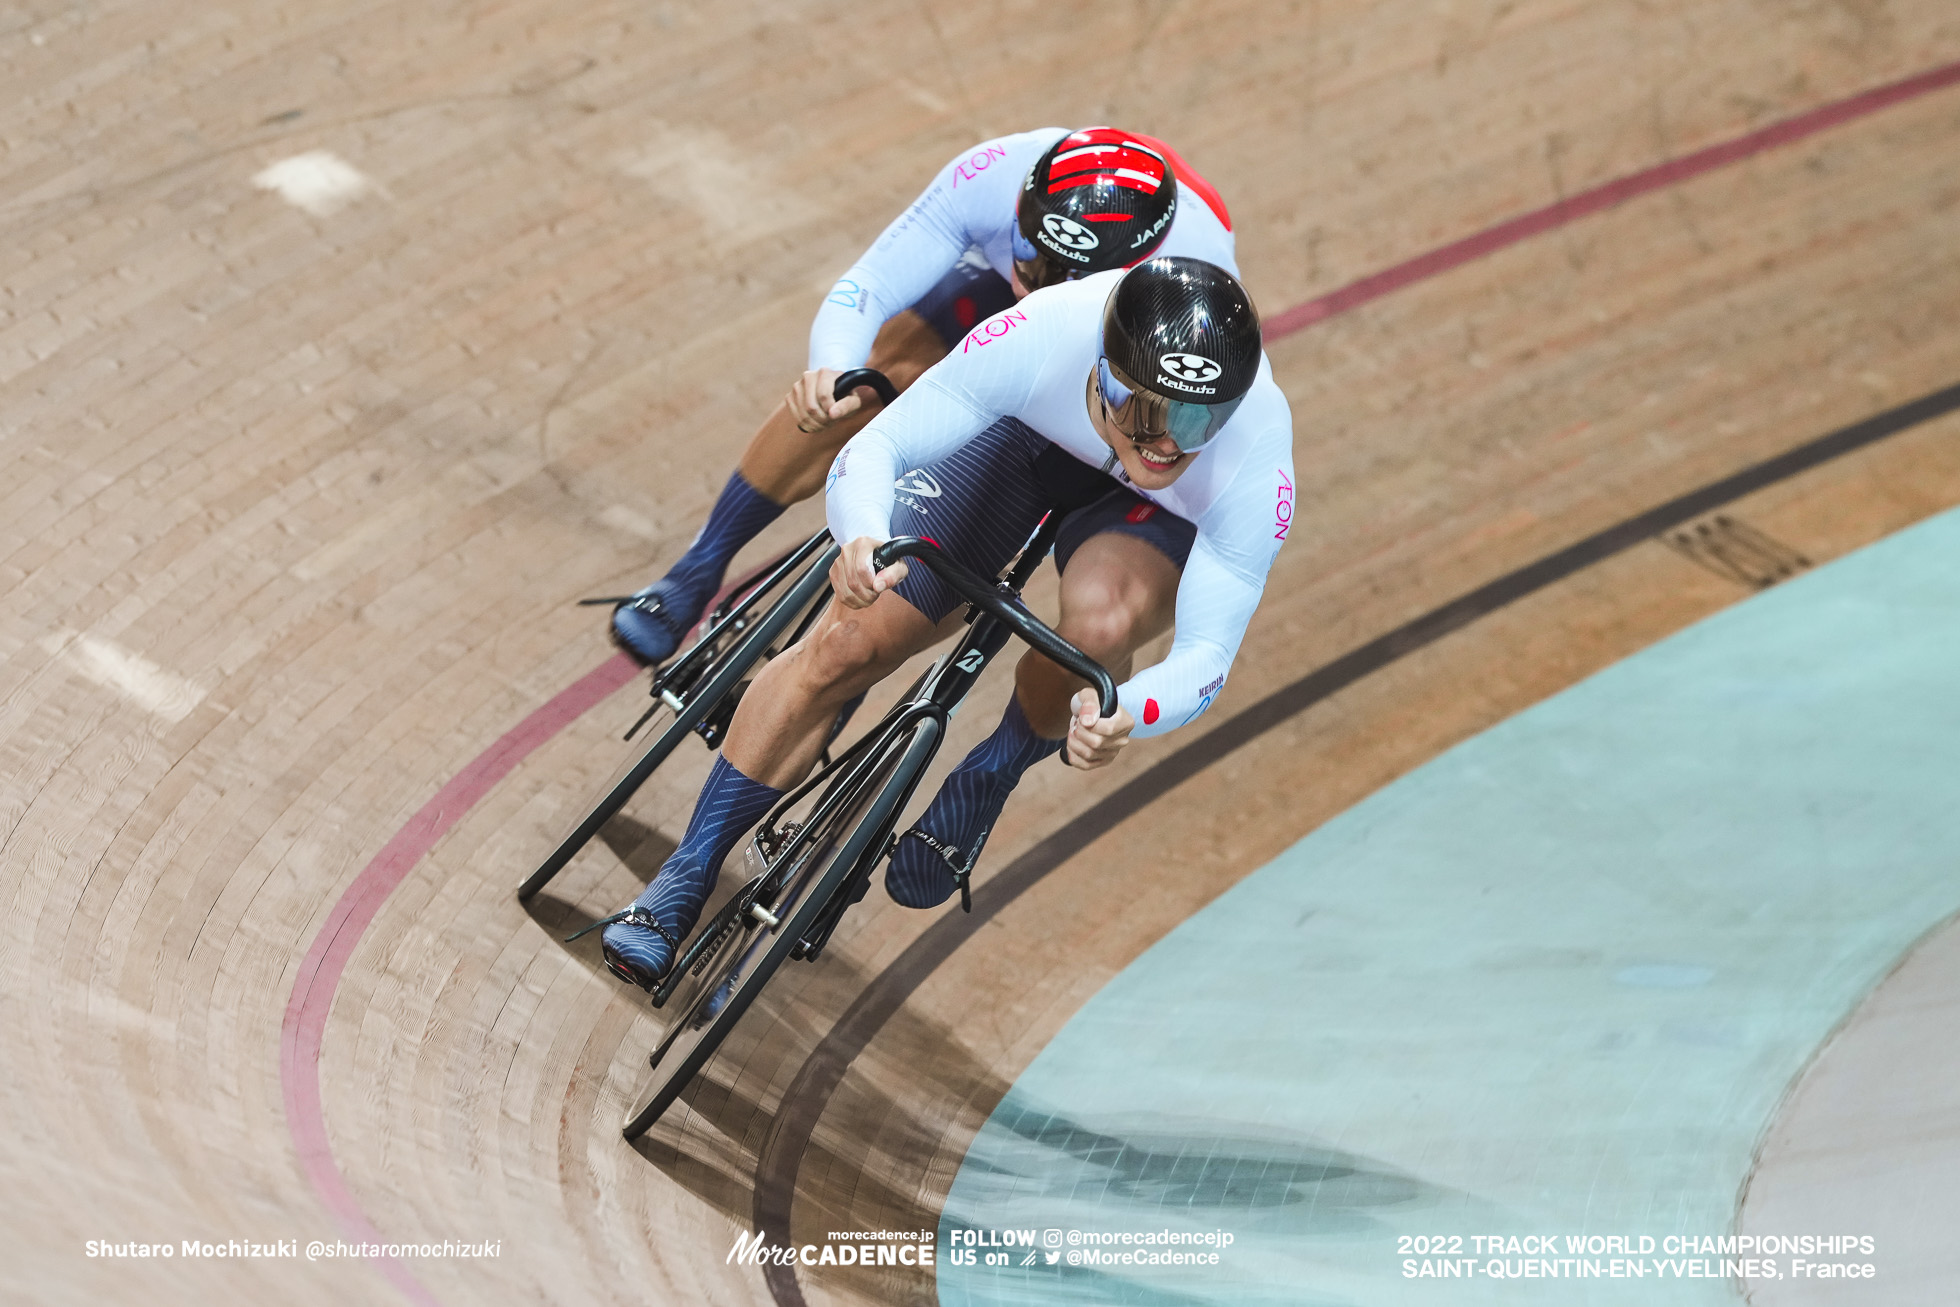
655 606
962 867
950 852
638 916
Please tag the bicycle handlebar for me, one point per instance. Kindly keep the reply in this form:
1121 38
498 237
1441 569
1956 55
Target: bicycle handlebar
995 600
878 381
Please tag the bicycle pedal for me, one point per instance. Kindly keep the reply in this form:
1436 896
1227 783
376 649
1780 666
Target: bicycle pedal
767 844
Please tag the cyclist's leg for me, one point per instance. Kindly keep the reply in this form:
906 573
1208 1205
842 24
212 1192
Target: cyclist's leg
638 948
785 717
1121 560
775 736
981 502
1119 592
783 465
652 624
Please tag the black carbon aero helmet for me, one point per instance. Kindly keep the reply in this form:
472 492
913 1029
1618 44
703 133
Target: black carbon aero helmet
1098 199
1180 348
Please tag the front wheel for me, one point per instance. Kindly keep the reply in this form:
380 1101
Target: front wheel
737 970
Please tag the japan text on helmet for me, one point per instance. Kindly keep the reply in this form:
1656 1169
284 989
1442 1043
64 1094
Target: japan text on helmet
1098 199
1180 348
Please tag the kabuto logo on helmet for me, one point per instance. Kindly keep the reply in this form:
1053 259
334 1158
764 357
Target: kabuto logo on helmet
1191 370
1066 236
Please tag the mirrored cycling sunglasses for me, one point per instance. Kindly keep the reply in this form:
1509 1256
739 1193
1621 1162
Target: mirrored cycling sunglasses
1036 266
1144 415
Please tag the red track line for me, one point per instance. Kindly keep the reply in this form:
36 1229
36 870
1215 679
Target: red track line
1586 203
319 975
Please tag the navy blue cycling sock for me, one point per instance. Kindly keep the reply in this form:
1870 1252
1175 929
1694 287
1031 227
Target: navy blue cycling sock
738 517
964 811
729 805
1012 748
654 631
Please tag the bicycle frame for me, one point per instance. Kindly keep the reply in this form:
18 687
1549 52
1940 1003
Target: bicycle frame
816 869
674 682
993 615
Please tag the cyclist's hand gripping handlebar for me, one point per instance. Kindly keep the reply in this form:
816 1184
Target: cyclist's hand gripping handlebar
878 381
821 397
993 599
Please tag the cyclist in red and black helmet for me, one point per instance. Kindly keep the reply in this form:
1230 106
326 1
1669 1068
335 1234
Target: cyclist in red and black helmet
1097 200
1008 217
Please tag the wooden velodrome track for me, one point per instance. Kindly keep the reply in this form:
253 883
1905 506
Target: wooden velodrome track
295 507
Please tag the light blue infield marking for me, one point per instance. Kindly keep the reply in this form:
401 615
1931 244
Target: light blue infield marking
1553 983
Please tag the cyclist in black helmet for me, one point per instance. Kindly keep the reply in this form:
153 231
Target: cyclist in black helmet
1140 402
1010 216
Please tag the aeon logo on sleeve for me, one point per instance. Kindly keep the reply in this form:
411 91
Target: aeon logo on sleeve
1283 507
992 329
1067 237
980 160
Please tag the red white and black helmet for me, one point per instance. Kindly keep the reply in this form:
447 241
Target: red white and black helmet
1098 199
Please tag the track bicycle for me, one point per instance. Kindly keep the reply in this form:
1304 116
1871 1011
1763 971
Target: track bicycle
814 854
760 616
